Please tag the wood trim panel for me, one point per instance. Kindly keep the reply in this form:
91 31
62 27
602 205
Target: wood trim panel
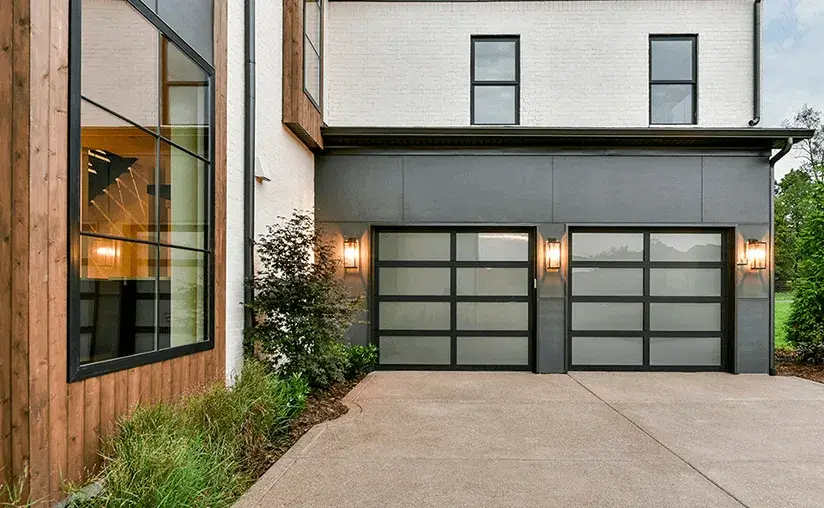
299 114
50 430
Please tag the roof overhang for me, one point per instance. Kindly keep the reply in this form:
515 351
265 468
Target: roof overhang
651 137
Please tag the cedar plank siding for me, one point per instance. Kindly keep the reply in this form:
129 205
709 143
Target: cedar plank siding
50 430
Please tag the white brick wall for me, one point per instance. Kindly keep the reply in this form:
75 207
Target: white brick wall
583 64
283 158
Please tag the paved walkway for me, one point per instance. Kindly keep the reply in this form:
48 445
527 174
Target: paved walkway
472 439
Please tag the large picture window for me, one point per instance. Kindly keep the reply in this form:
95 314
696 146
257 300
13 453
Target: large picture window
312 49
141 236
673 71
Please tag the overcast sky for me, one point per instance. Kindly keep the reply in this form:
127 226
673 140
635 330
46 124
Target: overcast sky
793 61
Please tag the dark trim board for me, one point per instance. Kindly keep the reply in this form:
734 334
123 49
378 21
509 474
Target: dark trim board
374 298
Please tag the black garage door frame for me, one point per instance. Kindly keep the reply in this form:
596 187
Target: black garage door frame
727 298
375 298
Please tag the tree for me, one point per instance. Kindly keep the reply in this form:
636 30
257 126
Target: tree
793 200
811 150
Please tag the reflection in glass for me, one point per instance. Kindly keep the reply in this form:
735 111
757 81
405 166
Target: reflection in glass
672 104
117 296
493 316
495 60
414 281
183 203
607 246
607 351
185 102
672 60
182 288
414 315
493 351
607 315
311 71
685 282
607 281
685 246
414 247
312 22
495 105
685 351
493 246
493 281
120 60
685 316
414 350
117 176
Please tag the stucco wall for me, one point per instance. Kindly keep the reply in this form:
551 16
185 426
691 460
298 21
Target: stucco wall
551 192
583 63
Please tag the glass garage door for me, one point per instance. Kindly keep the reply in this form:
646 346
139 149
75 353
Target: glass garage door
648 300
453 298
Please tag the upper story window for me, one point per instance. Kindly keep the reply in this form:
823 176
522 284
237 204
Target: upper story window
673 85
312 50
495 80
141 233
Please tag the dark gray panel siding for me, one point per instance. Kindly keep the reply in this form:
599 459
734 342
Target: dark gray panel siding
356 190
627 189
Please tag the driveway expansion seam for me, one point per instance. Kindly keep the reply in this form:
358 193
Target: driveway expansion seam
682 459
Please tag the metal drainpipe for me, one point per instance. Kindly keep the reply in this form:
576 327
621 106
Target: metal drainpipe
249 160
788 145
756 79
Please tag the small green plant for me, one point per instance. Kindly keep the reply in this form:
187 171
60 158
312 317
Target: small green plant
203 451
13 493
301 305
362 359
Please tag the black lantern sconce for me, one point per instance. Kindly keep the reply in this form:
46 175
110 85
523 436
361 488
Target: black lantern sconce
552 254
351 253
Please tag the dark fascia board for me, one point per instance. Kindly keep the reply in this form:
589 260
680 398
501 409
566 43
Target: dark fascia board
692 137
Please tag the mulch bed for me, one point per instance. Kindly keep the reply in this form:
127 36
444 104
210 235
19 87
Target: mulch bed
786 365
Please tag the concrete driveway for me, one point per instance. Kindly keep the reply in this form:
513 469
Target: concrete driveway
471 439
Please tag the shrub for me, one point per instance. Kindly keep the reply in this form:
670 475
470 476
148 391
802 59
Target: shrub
361 359
805 326
301 305
204 451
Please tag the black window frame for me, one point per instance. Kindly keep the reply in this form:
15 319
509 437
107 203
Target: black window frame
693 82
76 371
516 83
317 103
727 299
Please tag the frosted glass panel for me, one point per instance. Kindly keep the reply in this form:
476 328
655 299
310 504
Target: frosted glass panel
414 315
493 281
685 351
493 247
685 316
607 315
685 246
607 247
414 247
493 315
607 350
608 281
414 281
414 350
685 282
493 351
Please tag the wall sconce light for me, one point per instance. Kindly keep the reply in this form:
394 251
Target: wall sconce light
756 254
351 253
552 253
106 253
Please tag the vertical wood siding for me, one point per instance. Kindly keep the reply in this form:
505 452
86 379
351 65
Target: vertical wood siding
50 430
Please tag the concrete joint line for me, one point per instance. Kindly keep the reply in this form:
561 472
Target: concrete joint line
682 459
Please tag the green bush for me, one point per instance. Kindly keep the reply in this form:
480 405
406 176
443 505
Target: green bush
805 326
203 451
301 305
361 359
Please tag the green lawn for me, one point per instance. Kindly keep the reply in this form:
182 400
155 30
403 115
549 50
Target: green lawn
782 313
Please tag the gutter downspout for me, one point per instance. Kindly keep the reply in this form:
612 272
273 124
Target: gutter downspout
249 160
756 78
788 145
